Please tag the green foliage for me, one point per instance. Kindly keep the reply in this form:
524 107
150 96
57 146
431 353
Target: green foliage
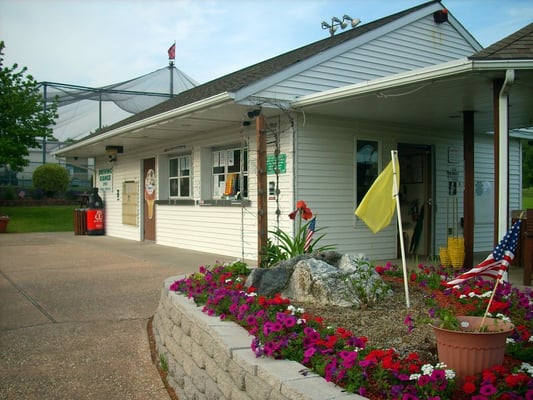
51 178
366 286
289 247
527 198
527 165
163 363
23 118
238 268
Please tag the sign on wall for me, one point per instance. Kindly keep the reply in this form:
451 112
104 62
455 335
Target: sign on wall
271 164
105 179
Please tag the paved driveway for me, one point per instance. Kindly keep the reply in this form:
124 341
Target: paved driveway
74 311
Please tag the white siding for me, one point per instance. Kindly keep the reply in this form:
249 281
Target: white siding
415 45
325 179
224 230
126 169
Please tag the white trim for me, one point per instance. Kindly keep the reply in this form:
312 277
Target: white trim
210 102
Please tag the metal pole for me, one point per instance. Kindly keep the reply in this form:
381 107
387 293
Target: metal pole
171 68
44 137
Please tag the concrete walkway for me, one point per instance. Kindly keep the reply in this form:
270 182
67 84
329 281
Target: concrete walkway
74 311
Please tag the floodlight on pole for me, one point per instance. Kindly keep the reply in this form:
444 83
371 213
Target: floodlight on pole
338 23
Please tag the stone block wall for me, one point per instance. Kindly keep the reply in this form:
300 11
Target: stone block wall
210 359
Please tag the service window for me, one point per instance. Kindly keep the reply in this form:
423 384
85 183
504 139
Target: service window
230 174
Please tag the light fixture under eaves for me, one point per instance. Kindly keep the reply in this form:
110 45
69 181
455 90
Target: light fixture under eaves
178 147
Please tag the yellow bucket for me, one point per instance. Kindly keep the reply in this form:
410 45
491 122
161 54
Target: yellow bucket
456 251
444 257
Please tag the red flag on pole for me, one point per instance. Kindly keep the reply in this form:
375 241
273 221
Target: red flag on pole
172 52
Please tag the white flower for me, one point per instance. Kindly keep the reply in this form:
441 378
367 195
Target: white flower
449 373
509 340
427 369
414 377
503 317
462 296
527 368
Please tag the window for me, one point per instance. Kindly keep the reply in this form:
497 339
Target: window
366 166
230 174
179 176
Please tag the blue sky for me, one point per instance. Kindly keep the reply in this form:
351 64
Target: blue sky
96 43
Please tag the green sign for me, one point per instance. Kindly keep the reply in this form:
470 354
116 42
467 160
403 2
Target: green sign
271 164
105 179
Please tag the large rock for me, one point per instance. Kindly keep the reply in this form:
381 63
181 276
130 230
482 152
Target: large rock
327 278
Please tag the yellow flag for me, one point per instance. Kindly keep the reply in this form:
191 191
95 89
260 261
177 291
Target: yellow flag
377 207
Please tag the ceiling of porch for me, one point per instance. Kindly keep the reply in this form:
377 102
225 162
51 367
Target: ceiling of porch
439 103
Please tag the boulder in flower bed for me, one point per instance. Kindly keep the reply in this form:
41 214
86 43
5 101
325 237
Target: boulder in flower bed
327 278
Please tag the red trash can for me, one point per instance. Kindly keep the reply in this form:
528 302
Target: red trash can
95 214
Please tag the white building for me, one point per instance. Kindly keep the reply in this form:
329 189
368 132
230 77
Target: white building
415 81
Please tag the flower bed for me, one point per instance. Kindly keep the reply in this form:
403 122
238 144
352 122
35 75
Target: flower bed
282 331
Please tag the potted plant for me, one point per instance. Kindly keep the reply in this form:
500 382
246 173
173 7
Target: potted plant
470 344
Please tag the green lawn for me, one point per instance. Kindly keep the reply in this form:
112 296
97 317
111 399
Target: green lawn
39 219
527 198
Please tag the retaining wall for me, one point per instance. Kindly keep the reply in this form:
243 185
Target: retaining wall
210 359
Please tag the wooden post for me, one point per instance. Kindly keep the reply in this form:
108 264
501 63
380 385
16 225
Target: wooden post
468 195
262 190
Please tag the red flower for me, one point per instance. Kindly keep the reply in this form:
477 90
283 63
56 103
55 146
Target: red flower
304 211
469 388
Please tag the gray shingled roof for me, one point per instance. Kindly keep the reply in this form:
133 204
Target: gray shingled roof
518 46
246 76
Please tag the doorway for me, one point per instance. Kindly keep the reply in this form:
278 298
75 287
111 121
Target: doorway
416 191
149 194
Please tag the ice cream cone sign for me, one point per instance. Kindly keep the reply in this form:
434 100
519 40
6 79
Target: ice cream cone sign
149 192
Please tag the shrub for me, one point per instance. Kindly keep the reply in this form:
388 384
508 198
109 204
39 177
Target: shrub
51 178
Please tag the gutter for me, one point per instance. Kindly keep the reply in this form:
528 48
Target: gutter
210 102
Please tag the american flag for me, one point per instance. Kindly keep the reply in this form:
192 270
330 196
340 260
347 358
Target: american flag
309 234
498 261
172 52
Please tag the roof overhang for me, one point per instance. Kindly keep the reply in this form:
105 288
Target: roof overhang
431 97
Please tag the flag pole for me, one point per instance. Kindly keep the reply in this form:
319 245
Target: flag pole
490 303
394 157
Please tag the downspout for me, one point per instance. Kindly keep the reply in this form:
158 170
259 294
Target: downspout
503 184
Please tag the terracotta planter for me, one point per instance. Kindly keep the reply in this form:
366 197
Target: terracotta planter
3 224
470 352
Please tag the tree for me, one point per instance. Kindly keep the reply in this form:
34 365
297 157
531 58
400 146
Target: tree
51 178
23 118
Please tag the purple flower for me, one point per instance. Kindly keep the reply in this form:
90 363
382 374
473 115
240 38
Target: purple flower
487 390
